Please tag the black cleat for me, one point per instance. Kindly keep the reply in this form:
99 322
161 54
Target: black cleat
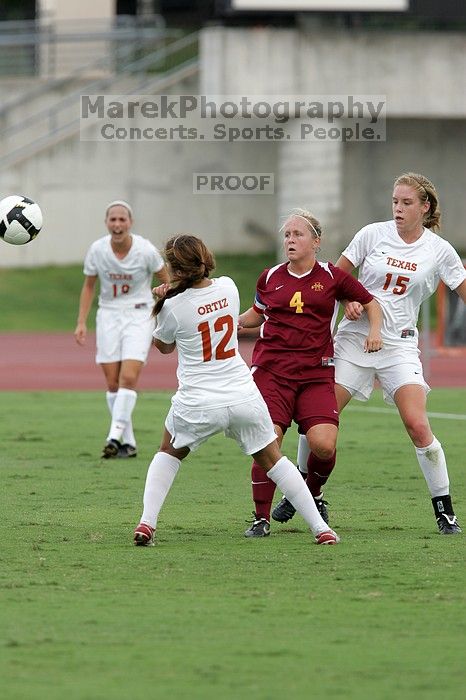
448 525
445 516
322 508
111 449
284 510
126 451
260 528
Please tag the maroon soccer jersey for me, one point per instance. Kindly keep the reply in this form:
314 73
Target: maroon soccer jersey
296 335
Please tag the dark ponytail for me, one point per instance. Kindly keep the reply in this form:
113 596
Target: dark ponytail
189 261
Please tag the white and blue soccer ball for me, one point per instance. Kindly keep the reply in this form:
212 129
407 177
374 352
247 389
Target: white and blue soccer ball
20 219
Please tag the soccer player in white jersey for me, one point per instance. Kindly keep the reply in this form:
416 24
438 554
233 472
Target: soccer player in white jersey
401 263
216 392
125 264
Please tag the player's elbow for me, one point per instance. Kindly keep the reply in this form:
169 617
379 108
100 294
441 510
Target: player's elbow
164 348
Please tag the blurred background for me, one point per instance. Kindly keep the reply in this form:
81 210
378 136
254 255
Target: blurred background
52 52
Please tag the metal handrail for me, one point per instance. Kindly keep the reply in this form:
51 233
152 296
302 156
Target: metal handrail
52 26
170 77
50 117
101 83
119 54
21 42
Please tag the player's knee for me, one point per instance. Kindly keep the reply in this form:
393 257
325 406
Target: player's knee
128 381
324 450
419 431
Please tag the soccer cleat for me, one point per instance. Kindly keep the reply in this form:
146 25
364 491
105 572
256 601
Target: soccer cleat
126 451
448 524
445 515
285 510
260 528
321 506
111 449
327 537
144 535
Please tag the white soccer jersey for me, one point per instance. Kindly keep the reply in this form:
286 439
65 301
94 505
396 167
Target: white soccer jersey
400 276
203 322
124 282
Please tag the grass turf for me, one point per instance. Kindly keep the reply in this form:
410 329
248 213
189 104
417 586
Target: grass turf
55 291
208 613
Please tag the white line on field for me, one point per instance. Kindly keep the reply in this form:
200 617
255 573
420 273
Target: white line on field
393 411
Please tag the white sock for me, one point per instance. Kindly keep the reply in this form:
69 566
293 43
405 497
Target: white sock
123 406
160 476
128 437
434 467
303 454
110 396
128 434
291 484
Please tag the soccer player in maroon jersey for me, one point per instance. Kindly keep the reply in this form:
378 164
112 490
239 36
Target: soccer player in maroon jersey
198 316
401 261
292 360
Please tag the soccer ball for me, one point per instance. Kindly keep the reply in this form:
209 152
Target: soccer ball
20 219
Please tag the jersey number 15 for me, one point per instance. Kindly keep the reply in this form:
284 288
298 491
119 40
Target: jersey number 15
400 285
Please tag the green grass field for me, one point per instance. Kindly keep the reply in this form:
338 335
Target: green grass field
50 295
208 613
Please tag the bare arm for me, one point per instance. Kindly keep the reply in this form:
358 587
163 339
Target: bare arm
373 342
461 291
353 309
162 276
164 348
344 264
85 302
250 319
159 292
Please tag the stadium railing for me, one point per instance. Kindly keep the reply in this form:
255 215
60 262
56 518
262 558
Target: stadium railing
50 49
150 74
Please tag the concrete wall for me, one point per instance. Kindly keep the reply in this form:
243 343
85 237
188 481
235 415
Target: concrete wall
76 9
432 147
74 181
74 186
345 185
70 17
423 76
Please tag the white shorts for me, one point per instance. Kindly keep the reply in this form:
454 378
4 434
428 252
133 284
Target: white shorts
356 371
247 423
123 334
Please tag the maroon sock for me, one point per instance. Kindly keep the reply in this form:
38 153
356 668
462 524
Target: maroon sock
263 489
319 471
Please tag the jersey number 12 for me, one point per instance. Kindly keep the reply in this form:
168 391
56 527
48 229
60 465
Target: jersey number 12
220 352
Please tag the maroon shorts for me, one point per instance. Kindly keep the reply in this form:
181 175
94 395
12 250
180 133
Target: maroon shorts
307 403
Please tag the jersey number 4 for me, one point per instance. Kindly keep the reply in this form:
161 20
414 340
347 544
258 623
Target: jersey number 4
400 285
220 352
297 303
